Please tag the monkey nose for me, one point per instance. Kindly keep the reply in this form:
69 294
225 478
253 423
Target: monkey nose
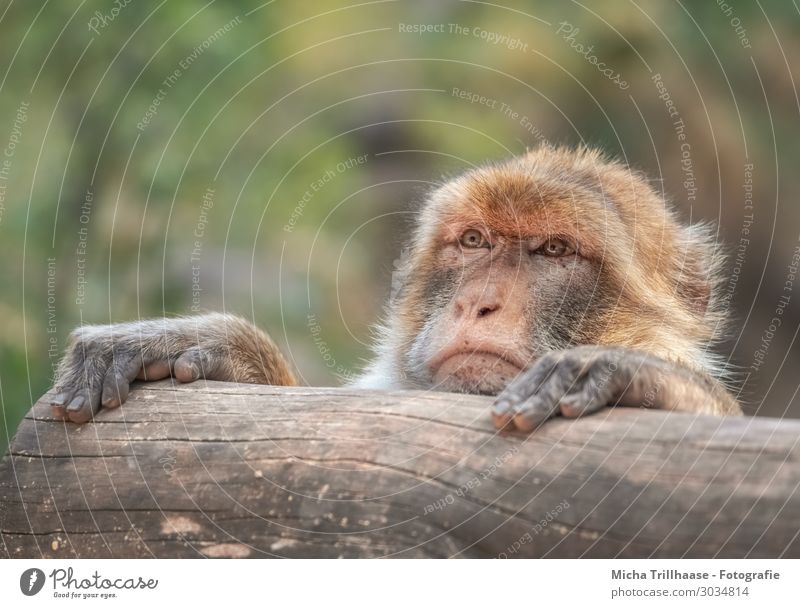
477 304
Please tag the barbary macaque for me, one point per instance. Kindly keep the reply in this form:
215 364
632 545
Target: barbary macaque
559 281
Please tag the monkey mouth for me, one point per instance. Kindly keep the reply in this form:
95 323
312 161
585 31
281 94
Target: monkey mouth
481 370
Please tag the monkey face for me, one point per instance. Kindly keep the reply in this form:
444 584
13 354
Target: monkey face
505 301
506 277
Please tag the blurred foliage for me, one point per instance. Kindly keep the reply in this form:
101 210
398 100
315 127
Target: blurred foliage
259 113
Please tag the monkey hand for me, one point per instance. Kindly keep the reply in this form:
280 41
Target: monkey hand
102 361
585 379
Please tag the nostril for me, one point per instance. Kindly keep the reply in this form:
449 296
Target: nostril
486 310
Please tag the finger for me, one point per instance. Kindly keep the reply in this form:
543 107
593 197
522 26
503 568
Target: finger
157 370
197 363
116 385
534 411
521 388
502 420
544 404
577 406
59 402
591 397
84 404
191 365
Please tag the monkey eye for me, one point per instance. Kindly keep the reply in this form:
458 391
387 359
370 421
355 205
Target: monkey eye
473 239
555 248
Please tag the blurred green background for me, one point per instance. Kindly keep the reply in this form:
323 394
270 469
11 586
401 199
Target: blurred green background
266 158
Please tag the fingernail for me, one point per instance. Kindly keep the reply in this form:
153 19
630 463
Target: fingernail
76 404
501 421
59 399
112 400
525 424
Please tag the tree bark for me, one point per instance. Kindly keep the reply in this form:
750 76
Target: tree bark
216 469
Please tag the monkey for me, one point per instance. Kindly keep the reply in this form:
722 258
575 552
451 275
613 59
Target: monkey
558 281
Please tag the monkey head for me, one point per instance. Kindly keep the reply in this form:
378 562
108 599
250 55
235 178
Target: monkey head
539 253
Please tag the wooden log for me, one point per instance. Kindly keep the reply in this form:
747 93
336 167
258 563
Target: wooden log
217 469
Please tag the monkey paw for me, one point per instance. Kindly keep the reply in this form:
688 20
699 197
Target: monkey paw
102 361
94 370
572 382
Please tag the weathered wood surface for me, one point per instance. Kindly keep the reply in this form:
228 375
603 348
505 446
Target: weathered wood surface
215 469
